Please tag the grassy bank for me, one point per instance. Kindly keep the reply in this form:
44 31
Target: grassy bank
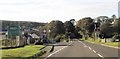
115 44
98 41
26 51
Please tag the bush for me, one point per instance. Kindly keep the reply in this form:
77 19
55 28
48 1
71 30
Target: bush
59 37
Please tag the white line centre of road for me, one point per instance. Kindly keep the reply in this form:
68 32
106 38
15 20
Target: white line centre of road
83 43
92 49
100 55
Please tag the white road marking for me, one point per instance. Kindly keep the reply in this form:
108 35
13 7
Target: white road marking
94 51
83 43
100 55
90 48
55 52
69 44
85 46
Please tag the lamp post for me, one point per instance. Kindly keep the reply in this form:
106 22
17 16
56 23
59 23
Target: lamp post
44 36
49 33
95 30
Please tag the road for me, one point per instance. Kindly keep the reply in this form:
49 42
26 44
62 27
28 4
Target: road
82 50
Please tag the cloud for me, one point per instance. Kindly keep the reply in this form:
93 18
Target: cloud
46 10
20 2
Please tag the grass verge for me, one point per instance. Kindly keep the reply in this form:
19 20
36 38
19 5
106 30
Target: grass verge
98 41
26 51
115 44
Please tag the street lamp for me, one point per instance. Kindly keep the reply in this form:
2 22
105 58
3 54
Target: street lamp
44 31
44 36
95 30
49 33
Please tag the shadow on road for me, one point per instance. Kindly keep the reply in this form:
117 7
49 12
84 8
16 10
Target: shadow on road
60 45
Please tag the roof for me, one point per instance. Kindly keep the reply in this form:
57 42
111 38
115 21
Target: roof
34 36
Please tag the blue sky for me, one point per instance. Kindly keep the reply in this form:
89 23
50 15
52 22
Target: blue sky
47 10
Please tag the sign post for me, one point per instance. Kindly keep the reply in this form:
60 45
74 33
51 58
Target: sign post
13 33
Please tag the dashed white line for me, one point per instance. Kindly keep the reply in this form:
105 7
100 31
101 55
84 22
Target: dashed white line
85 46
94 51
90 48
100 55
67 46
83 43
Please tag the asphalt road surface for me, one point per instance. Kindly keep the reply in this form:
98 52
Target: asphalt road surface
82 50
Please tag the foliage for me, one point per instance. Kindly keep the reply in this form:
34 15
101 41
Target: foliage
22 24
106 30
86 25
69 27
59 38
116 26
56 27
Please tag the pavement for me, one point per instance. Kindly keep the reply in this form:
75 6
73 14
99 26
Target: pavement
82 50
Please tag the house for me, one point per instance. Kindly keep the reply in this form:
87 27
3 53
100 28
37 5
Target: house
34 37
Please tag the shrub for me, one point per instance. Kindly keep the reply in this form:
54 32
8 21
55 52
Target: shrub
59 37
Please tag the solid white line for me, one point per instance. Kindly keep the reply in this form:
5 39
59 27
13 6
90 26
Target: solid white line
100 55
55 52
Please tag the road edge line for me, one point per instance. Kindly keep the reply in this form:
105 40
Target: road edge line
55 52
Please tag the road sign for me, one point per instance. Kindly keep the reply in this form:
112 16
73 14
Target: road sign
13 31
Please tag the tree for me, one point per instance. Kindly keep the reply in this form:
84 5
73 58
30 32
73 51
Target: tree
69 29
116 26
86 25
113 16
56 28
72 21
106 30
102 18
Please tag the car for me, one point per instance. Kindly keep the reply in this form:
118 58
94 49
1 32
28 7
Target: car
117 40
51 41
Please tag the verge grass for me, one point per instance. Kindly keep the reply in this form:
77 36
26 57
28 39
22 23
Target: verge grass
26 51
98 41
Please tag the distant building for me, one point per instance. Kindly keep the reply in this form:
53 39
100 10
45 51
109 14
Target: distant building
119 9
3 35
34 37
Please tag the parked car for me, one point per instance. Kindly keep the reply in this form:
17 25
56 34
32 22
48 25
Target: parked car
51 41
116 38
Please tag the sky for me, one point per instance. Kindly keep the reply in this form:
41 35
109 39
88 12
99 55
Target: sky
48 10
